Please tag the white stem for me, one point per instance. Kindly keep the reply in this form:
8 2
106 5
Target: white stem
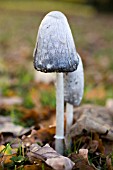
59 113
69 121
69 116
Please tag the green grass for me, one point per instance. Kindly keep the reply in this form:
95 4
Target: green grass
48 98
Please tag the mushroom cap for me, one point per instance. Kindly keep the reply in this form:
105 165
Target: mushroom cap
55 49
74 85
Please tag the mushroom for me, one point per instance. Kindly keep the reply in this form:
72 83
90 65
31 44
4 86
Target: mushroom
55 52
73 93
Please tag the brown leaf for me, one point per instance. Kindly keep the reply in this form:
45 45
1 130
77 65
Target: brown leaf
101 148
92 118
81 163
44 135
36 167
50 157
30 139
29 167
84 153
60 163
12 128
2 147
6 159
93 145
6 137
43 153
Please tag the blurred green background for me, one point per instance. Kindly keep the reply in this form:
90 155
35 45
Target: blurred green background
92 28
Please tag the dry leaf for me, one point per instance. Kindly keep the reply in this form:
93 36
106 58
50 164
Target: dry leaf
102 114
84 153
101 148
12 128
6 137
6 159
50 157
46 134
31 167
30 139
93 146
90 124
80 162
44 152
60 163
93 118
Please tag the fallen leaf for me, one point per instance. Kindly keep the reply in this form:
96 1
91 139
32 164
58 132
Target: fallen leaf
50 157
6 159
84 153
6 137
12 128
81 163
30 139
93 146
42 136
101 147
60 163
46 134
31 167
2 147
93 118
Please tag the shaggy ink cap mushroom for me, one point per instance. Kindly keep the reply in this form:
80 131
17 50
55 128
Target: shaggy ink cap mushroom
55 52
74 85
55 49
73 93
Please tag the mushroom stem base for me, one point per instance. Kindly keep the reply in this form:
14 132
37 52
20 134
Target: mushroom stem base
59 146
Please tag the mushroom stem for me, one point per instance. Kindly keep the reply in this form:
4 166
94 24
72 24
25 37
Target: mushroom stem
69 116
59 113
69 121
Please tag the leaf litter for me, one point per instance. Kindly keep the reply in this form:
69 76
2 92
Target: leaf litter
35 145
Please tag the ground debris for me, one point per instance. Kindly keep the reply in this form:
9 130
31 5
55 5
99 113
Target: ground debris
50 157
93 118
